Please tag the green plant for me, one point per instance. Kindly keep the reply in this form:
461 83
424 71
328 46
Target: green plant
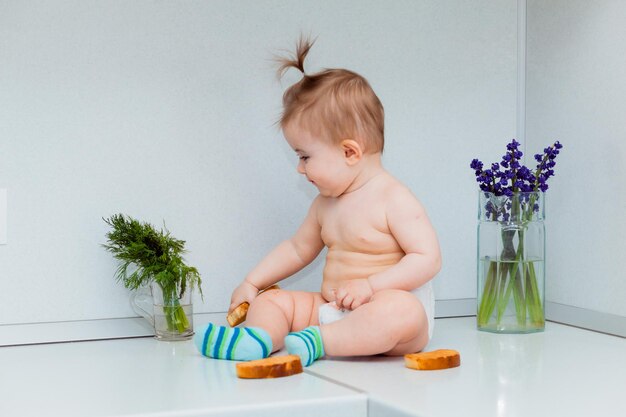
148 255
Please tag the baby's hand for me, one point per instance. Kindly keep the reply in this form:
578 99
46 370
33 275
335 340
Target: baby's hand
353 293
245 292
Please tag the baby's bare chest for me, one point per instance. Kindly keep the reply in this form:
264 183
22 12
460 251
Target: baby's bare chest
359 226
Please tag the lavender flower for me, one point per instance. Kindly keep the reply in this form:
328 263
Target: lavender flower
516 177
544 167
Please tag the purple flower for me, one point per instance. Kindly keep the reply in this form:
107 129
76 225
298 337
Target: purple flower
513 145
516 177
544 167
476 165
523 172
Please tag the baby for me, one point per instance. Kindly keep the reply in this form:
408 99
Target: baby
376 295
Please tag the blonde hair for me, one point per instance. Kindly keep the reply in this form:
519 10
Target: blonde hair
335 103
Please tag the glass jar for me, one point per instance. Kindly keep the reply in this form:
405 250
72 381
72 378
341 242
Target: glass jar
168 311
511 263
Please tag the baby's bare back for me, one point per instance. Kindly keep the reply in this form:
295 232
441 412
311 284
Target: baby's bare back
354 228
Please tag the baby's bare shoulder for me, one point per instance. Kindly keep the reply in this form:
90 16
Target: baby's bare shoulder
320 207
400 197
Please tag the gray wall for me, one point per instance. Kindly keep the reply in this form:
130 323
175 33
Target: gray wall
165 111
576 92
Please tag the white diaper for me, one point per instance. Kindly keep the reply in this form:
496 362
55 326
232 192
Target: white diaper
329 313
426 295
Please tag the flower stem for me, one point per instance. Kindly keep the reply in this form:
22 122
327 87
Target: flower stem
533 298
505 294
487 300
518 297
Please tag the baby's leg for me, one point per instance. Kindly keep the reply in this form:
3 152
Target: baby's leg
279 312
271 316
393 322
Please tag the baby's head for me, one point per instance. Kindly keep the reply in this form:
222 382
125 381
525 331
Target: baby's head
334 104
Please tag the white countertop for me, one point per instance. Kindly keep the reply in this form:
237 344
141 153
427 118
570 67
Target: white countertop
141 377
563 371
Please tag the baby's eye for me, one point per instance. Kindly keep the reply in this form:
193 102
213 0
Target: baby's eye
304 158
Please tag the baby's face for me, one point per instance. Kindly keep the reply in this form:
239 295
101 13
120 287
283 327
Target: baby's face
322 162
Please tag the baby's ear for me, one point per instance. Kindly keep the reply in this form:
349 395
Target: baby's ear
352 151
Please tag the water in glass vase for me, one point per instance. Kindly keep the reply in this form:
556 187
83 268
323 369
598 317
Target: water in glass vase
511 295
173 322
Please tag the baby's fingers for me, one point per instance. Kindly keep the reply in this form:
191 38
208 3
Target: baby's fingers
347 302
340 296
236 302
231 307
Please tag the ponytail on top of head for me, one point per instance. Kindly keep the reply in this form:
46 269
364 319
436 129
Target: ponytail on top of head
335 104
295 60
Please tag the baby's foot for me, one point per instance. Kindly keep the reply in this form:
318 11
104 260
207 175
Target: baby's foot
239 344
307 344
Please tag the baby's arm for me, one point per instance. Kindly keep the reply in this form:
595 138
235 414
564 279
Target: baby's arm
287 258
410 226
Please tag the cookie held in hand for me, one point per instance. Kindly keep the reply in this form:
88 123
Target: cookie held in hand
274 367
436 359
238 315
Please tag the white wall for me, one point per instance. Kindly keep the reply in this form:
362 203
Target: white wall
576 93
165 111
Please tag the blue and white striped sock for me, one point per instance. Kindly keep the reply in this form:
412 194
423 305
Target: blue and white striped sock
307 344
239 343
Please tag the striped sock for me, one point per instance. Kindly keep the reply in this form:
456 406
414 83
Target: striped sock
307 344
239 344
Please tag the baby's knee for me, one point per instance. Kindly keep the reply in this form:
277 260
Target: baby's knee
271 309
278 298
299 307
392 296
400 305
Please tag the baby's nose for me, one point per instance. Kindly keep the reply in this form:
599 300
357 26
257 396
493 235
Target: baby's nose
300 168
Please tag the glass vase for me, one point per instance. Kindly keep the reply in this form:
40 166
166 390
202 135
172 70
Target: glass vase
511 263
166 309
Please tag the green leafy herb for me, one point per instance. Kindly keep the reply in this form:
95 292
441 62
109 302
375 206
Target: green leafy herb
148 255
